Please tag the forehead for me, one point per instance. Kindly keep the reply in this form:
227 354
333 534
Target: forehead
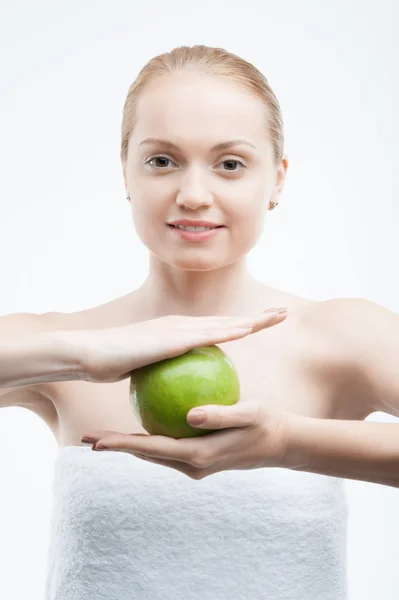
185 106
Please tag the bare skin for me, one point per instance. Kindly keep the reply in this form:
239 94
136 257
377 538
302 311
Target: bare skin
185 174
276 365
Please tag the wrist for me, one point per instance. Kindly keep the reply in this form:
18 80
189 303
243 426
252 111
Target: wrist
73 353
296 452
57 356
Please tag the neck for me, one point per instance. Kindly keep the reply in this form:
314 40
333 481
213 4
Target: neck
230 290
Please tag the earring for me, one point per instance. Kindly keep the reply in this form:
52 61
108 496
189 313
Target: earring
128 198
273 204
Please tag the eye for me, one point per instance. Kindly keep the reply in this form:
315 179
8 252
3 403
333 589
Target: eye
231 162
161 161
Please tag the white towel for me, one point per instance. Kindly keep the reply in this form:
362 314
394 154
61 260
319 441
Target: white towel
126 529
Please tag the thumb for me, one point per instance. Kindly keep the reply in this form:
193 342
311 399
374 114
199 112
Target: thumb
216 416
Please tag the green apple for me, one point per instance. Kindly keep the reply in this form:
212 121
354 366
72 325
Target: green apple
161 394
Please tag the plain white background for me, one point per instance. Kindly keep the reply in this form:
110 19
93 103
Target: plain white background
66 237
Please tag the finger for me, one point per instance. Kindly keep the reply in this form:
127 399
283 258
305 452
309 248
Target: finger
218 334
268 318
156 446
94 436
259 321
215 416
111 441
263 318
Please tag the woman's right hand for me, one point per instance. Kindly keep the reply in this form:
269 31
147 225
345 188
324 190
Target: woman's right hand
117 351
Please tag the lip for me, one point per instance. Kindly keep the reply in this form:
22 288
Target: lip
190 223
196 236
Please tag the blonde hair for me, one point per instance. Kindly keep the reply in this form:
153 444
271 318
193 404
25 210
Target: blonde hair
212 61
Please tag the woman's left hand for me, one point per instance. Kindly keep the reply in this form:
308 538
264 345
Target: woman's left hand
249 435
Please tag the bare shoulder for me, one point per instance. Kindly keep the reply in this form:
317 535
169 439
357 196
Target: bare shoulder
327 314
337 325
348 321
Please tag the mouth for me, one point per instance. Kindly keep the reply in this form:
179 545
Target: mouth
196 227
197 233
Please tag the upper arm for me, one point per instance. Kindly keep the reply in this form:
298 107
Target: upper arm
369 340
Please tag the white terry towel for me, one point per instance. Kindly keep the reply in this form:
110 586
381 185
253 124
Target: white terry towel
126 529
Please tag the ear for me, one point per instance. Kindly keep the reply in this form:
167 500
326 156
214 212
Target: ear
281 175
125 179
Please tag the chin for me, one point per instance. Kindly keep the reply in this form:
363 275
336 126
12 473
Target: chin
193 264
195 261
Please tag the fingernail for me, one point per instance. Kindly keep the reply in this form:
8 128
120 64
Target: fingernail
196 417
97 449
87 440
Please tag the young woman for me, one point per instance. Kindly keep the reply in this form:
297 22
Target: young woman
257 508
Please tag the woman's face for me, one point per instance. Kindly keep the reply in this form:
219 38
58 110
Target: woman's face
183 177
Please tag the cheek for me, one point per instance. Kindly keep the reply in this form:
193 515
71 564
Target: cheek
248 209
148 207
247 215
248 229
145 222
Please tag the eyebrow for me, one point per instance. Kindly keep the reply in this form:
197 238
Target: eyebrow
220 146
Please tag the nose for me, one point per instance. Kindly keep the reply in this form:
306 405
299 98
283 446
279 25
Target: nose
193 194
